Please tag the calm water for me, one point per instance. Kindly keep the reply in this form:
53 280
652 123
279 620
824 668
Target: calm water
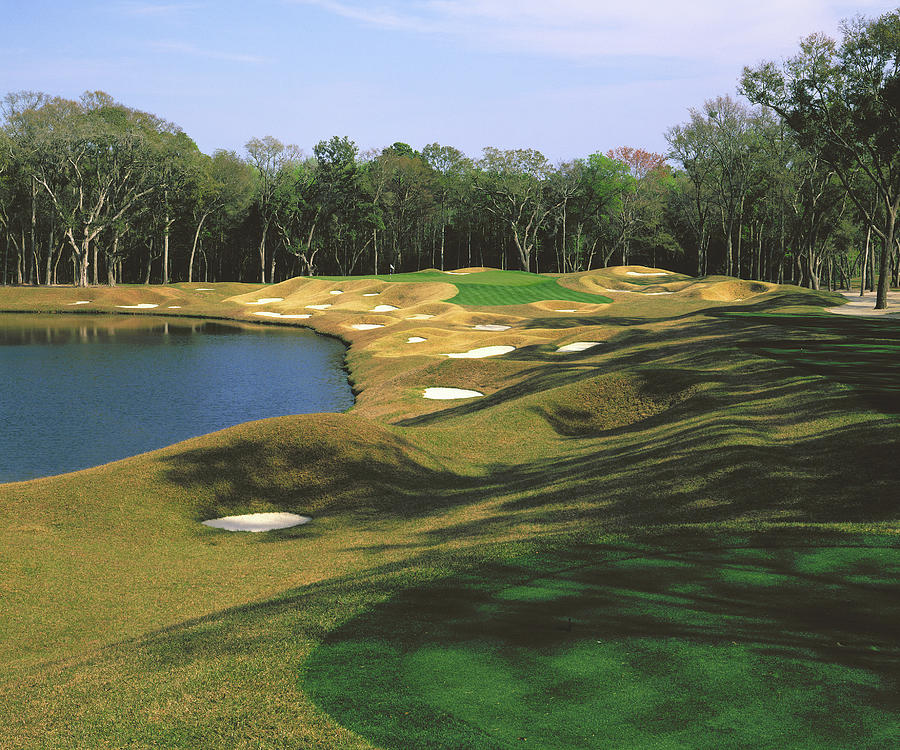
78 391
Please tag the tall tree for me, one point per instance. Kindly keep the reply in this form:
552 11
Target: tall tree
844 104
513 183
268 156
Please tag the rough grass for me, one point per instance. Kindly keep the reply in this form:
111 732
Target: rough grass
708 495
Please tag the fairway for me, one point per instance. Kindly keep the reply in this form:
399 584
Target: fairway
621 646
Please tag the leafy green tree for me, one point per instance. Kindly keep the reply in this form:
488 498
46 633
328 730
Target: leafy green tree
268 156
513 183
223 187
844 104
450 168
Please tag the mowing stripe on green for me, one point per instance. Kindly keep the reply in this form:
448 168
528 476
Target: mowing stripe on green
491 288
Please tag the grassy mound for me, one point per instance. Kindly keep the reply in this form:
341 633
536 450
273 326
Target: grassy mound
626 647
609 401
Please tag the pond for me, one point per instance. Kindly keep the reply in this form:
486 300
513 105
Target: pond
78 391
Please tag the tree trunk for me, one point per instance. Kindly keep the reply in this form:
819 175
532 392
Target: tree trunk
111 260
888 251
194 247
165 256
149 263
865 263
262 253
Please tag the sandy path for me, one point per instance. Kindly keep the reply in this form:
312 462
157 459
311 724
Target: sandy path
864 307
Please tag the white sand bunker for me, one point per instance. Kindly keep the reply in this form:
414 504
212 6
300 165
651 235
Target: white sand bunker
420 316
139 306
366 326
258 522
640 273
81 302
335 291
458 273
318 307
567 309
297 316
491 327
371 294
384 308
265 300
415 340
203 289
173 307
482 351
445 394
578 346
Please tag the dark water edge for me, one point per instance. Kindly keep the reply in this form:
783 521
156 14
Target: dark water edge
82 390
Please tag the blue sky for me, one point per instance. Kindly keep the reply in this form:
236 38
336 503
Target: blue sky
568 77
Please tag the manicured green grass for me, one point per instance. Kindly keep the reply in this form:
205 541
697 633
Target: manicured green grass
487 288
630 647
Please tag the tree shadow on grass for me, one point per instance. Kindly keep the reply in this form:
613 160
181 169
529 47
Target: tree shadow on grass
744 646
314 470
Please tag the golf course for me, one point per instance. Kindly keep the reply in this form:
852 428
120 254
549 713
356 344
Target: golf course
619 508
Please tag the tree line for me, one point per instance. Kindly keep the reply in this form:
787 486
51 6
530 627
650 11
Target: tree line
802 184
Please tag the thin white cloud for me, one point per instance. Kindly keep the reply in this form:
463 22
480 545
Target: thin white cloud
194 51
735 32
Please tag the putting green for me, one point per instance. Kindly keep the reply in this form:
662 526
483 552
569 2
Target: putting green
621 647
490 288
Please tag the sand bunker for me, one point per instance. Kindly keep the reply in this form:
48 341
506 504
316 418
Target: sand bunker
265 300
384 308
491 327
371 294
578 346
420 316
445 394
335 291
654 294
567 309
415 340
482 351
258 522
641 273
173 307
366 326
286 316
81 302
458 273
865 306
203 289
733 290
139 306
318 307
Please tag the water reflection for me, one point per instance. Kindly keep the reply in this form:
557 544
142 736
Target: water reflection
78 391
